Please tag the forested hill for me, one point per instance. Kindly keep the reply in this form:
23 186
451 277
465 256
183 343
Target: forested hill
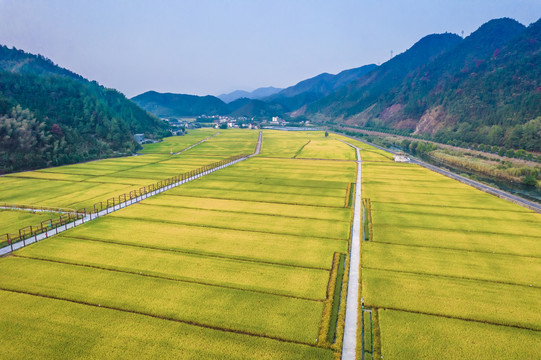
177 105
483 89
312 89
52 116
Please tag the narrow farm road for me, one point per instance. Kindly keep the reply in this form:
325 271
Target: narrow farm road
486 188
197 143
532 205
352 300
35 238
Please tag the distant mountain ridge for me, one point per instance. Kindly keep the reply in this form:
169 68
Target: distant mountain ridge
485 88
257 103
256 94
176 105
52 116
167 105
312 89
326 83
366 90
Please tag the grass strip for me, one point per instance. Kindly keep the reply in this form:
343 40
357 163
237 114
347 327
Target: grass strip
331 334
367 325
326 316
300 150
351 195
377 334
367 219
340 327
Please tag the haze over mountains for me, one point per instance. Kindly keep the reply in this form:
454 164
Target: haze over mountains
255 104
485 89
256 94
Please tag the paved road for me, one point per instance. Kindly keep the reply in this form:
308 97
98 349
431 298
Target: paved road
197 143
486 188
352 301
476 184
258 146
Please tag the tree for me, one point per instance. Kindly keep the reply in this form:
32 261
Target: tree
57 130
529 180
521 154
495 135
326 134
24 143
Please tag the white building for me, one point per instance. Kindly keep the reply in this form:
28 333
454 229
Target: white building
401 158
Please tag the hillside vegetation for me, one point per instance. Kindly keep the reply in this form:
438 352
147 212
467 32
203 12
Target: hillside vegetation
50 116
255 104
483 89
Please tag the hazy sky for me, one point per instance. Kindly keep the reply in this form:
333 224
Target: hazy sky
211 47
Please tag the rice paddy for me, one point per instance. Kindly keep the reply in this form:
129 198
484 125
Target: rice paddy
451 271
246 262
226 262
79 186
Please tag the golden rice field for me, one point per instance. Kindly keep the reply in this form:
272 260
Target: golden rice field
234 265
451 272
243 263
82 185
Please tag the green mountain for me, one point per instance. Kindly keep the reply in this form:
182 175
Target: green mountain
52 116
315 88
369 90
254 108
177 105
482 89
